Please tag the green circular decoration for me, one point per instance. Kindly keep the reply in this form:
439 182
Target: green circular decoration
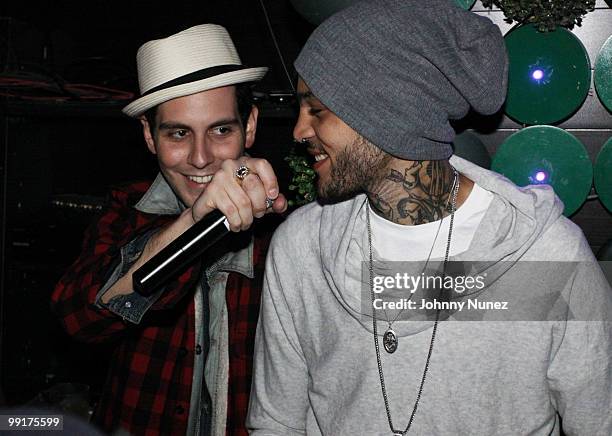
549 75
469 146
547 155
465 4
603 74
603 175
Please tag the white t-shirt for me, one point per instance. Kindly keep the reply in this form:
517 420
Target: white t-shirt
398 242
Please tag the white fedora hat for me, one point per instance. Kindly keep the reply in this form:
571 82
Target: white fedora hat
197 59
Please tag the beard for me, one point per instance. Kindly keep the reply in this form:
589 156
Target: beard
356 167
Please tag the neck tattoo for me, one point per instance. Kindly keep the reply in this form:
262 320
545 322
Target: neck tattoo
414 194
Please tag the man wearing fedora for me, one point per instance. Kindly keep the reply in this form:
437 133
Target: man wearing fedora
357 335
183 357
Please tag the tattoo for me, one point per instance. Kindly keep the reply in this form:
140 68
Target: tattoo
382 206
420 195
395 176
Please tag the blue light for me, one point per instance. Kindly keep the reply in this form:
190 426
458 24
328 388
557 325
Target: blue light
541 176
537 74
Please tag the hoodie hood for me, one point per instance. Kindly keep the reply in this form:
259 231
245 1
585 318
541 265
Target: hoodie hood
515 220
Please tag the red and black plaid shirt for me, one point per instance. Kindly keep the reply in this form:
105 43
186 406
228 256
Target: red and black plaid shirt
148 389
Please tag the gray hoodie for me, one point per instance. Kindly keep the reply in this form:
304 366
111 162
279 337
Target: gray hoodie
516 373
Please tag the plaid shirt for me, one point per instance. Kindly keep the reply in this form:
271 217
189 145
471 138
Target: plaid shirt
148 389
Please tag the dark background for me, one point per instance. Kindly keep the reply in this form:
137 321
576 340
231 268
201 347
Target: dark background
58 159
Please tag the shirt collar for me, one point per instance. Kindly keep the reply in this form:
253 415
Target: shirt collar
160 199
240 261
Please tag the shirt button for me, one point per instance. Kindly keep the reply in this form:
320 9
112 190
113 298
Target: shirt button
182 352
128 304
198 349
179 410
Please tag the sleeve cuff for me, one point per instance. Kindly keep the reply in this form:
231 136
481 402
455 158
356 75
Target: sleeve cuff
130 307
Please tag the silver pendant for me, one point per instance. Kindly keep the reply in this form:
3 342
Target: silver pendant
390 341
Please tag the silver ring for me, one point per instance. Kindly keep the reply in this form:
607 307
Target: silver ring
241 172
269 203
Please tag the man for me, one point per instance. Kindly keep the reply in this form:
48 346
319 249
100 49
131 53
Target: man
378 84
182 362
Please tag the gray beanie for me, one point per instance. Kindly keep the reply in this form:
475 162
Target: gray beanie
396 71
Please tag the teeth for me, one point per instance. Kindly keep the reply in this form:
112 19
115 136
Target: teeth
200 179
320 157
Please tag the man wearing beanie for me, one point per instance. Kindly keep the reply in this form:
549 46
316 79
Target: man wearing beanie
353 337
182 360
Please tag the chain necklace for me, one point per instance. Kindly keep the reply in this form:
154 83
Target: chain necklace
390 340
435 326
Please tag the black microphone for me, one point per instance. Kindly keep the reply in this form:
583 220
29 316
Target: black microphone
179 253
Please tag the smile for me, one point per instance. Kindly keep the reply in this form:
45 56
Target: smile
320 157
200 179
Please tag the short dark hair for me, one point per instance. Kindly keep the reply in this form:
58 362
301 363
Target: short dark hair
244 100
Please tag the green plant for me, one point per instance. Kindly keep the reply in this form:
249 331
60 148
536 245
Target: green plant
546 15
302 179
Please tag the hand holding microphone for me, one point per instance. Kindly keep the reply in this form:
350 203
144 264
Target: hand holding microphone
239 191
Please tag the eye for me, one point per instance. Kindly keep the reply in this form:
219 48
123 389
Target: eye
313 111
179 133
222 130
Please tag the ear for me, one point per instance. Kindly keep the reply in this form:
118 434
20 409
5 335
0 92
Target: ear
251 127
146 131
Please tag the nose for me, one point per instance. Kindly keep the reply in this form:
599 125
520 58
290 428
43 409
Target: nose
199 154
303 127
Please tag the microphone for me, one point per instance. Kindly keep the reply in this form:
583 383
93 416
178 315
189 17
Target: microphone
179 253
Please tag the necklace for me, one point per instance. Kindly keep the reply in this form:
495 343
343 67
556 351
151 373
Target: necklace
390 340
435 326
